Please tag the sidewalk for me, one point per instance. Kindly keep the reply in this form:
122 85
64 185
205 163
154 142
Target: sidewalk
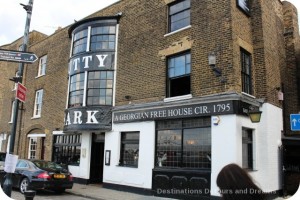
99 193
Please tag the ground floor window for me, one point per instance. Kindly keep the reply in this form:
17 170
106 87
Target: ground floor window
32 148
66 149
184 143
129 155
247 146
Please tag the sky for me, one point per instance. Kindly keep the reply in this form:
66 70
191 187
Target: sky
48 15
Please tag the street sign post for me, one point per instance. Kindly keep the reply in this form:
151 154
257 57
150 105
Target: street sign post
17 56
295 122
21 92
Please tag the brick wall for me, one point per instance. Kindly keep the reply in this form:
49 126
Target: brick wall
291 73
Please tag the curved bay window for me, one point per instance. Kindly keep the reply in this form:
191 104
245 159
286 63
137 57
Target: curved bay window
184 143
76 90
91 74
100 87
103 38
80 41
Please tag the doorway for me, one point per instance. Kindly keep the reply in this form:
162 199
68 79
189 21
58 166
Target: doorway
97 159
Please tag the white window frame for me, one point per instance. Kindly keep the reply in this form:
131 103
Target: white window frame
42 66
38 103
32 148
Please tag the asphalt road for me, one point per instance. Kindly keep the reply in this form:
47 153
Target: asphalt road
47 195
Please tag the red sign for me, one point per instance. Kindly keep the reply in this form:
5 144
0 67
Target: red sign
21 92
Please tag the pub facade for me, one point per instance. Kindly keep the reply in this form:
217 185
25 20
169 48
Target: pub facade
158 95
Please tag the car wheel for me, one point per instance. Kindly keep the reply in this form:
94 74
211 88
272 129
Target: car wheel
24 185
59 191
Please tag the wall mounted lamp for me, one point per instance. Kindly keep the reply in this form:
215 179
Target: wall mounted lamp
212 63
254 114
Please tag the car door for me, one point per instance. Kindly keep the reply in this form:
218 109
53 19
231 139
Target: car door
20 168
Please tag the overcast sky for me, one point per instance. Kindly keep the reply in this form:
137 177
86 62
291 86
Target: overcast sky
48 15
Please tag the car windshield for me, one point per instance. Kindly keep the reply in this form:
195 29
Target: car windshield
49 165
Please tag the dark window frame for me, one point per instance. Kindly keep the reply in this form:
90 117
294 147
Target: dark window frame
244 6
246 72
172 15
80 41
100 37
166 157
76 92
175 86
247 142
105 96
129 159
67 149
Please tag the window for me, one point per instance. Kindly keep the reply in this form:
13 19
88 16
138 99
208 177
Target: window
32 148
129 149
100 87
12 111
179 15
42 66
103 38
244 5
38 103
179 80
66 149
80 42
247 148
76 90
246 72
184 143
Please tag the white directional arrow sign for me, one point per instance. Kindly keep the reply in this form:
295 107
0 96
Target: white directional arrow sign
17 56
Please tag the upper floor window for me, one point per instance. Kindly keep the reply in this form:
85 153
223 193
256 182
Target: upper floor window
246 72
244 5
42 66
103 38
179 78
76 90
179 15
38 103
80 41
100 88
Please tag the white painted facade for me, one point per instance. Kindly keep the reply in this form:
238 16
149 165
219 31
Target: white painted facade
226 148
83 170
137 177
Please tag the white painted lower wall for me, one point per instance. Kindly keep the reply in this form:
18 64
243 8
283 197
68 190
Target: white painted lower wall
137 177
227 146
83 170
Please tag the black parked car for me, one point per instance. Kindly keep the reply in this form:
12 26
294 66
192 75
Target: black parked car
38 175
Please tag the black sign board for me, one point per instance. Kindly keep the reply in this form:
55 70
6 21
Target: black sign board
194 110
17 56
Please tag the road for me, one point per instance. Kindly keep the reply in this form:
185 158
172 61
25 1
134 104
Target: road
47 195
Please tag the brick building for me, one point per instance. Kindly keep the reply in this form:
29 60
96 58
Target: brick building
154 96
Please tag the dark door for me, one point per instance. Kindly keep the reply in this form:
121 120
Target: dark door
97 156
